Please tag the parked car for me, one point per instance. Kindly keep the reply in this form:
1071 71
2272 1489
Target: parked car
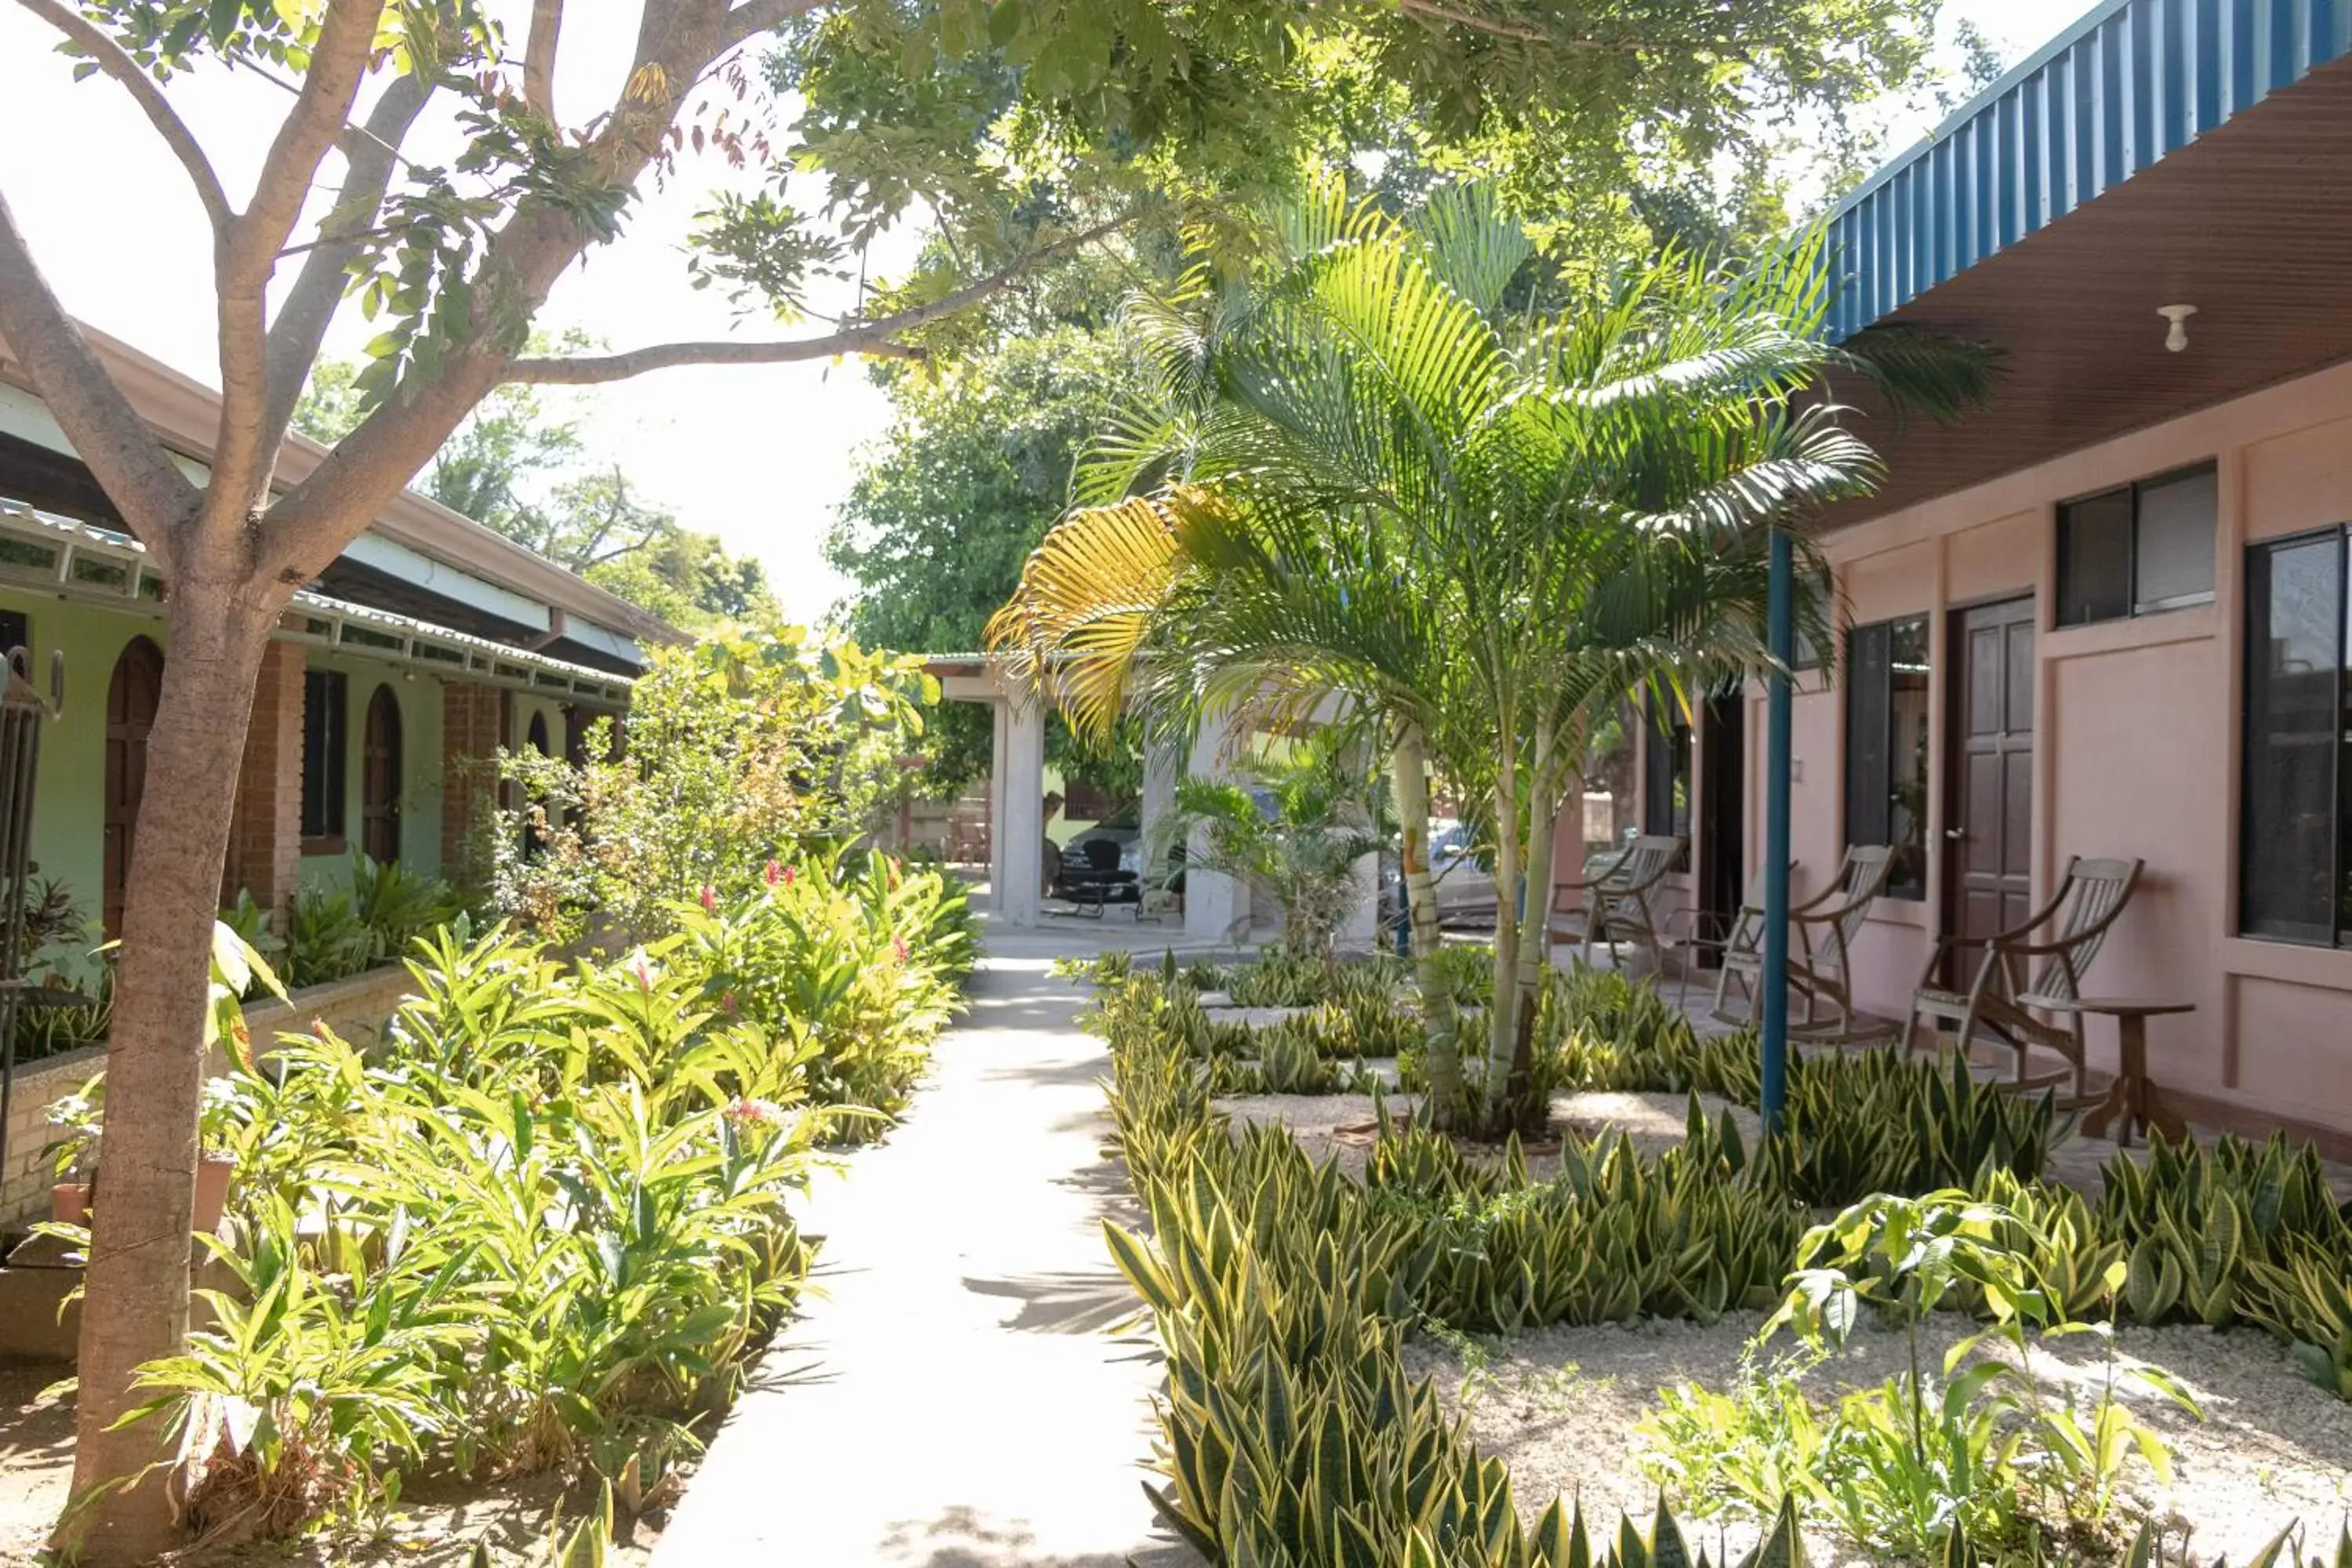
1123 828
1466 893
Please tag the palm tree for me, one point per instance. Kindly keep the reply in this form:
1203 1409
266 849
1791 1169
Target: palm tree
1384 472
1294 838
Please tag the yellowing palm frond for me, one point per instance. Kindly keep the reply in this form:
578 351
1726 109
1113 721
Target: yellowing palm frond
1086 603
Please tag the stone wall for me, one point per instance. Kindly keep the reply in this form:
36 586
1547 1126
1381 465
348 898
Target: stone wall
356 1008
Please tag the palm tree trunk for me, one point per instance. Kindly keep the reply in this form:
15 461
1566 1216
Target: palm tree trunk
1440 1021
1535 925
1526 840
1503 1016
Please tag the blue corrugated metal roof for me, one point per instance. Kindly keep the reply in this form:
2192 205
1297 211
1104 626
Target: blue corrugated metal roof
2128 83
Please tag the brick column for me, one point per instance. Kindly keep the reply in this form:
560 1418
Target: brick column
472 730
264 834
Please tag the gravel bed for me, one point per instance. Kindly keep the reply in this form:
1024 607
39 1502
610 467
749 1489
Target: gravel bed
1561 1406
1323 1123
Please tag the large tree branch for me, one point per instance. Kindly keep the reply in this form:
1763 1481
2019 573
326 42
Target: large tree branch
370 154
676 41
1494 27
339 63
538 57
245 451
109 58
108 434
753 17
877 338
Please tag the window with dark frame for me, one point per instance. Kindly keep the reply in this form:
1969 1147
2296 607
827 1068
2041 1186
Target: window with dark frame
15 632
1666 773
326 700
1886 727
2139 548
2294 818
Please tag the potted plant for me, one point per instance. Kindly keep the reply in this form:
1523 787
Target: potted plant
80 1120
79 1116
73 1152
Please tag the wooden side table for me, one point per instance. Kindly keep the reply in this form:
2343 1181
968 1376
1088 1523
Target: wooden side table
2133 1096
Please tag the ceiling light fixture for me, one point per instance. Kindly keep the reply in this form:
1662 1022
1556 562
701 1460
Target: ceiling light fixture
2177 338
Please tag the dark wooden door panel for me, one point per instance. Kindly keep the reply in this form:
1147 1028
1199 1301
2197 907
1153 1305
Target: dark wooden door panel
1989 838
1722 845
131 697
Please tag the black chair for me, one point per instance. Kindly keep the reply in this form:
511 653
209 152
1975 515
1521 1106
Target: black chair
1100 882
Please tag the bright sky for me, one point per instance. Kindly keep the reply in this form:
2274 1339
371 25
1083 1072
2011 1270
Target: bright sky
759 456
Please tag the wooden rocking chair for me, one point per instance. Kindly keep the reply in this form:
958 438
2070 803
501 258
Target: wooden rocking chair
1622 903
2073 926
1821 932
1706 932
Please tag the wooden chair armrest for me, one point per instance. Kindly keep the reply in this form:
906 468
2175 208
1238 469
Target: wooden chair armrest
2038 950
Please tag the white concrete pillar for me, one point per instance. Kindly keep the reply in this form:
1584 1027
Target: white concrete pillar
1162 759
1216 907
1024 812
996 761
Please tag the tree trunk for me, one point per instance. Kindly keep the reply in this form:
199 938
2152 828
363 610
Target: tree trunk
1535 929
1510 844
1440 1021
135 1306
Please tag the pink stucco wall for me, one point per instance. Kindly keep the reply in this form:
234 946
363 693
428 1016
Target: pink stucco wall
2135 746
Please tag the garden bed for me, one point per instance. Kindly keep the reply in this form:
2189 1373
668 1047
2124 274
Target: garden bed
1646 1247
1561 1407
436 1526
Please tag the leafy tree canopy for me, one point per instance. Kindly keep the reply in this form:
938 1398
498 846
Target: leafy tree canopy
975 466
520 469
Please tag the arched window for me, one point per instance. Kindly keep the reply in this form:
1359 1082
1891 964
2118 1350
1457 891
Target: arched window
380 772
130 698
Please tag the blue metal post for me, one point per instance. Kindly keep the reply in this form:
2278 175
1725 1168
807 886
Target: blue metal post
1781 629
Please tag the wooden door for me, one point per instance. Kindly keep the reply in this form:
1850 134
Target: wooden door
1989 836
1722 807
130 698
380 765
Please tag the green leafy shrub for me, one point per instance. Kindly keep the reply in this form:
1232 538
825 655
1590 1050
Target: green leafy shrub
397 905
325 938
1920 1455
544 1222
744 750
861 958
1280 978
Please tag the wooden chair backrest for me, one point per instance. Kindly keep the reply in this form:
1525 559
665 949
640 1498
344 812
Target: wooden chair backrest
1861 878
1643 867
2090 897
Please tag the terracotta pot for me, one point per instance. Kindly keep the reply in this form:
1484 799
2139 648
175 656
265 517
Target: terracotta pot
69 1202
212 1172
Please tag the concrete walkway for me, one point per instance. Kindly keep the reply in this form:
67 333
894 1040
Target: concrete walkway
955 1398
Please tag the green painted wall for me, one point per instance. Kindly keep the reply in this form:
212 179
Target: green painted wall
527 703
70 813
419 695
70 804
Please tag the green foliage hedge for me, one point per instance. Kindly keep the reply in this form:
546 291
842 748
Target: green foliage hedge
544 1222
